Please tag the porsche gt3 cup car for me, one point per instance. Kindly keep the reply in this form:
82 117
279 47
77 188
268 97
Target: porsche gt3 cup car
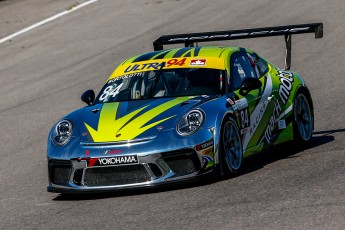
177 114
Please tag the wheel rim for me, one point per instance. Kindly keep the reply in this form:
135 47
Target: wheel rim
303 117
232 146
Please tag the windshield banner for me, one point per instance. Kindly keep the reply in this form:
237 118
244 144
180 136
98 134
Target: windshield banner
187 62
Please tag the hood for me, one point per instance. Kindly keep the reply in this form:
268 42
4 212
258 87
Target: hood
130 120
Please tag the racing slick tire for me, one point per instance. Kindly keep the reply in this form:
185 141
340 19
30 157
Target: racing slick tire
303 119
231 151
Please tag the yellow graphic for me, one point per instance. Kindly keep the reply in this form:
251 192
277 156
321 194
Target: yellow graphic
170 63
110 128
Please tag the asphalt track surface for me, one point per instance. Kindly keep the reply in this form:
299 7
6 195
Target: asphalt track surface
44 71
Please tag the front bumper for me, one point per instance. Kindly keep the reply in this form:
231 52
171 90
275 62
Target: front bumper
160 161
75 175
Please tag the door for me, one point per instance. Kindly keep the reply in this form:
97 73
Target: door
255 107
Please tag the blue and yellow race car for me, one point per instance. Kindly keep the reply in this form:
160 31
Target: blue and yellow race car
177 114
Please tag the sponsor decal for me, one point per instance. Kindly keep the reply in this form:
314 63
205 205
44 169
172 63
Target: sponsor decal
207 159
118 160
258 113
130 69
273 120
145 66
156 65
286 80
241 103
125 76
87 152
197 62
258 117
285 87
230 101
238 34
208 151
281 124
113 151
204 145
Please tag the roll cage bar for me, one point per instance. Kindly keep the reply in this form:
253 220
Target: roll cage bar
190 40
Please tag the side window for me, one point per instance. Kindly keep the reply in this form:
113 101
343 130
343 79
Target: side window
241 68
259 65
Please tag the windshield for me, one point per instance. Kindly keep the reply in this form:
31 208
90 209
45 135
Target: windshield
162 83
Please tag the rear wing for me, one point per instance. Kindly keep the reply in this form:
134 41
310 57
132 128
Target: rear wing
193 38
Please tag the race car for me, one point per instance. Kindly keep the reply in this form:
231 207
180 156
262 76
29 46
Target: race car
177 114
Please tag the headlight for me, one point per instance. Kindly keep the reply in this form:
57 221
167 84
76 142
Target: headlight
62 132
190 123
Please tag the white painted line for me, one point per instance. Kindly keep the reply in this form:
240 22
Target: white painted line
47 20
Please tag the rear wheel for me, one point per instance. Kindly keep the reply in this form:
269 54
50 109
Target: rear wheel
231 148
303 119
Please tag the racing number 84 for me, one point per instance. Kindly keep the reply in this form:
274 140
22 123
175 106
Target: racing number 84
245 122
110 91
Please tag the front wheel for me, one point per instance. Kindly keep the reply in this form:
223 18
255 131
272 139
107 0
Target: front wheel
303 119
231 148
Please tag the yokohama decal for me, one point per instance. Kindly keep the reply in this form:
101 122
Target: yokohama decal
117 160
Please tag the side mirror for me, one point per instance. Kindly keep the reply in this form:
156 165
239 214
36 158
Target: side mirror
88 96
249 84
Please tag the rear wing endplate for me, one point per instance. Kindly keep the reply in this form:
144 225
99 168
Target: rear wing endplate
193 38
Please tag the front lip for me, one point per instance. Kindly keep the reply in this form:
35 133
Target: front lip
70 190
